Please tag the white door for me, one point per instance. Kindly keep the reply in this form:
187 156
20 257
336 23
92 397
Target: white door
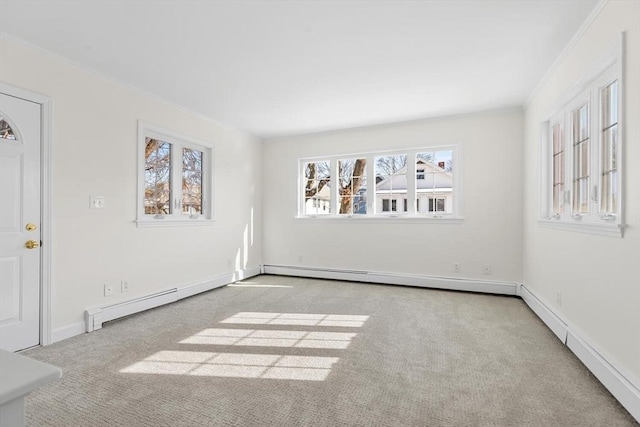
19 223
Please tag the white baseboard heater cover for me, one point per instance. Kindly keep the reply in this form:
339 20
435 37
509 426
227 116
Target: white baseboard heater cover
95 317
611 376
449 283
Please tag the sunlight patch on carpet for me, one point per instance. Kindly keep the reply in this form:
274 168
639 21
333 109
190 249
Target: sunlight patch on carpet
271 338
297 319
238 365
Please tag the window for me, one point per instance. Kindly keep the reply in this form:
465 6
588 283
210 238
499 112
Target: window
582 147
353 186
557 142
391 180
317 194
436 205
437 185
176 185
416 182
609 149
6 131
157 177
581 166
389 205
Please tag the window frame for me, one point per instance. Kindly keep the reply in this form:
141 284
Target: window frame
410 197
605 71
178 142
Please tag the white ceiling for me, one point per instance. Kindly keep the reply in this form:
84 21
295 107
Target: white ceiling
284 67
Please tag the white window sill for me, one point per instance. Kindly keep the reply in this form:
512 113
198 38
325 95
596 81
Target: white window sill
611 229
384 218
170 222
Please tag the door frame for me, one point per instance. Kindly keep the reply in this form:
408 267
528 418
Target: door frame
46 180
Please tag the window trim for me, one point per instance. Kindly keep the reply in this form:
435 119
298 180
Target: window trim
455 216
146 129
588 88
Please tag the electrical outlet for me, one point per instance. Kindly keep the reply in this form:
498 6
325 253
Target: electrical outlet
299 258
124 286
108 290
456 267
229 263
96 202
559 298
486 269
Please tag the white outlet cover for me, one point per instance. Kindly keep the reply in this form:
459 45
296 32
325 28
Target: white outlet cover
96 202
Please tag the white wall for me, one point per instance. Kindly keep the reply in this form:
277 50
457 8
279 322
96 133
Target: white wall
94 153
491 232
598 276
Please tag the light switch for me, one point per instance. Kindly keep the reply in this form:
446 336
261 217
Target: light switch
96 202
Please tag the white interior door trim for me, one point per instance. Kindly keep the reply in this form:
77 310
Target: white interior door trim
46 267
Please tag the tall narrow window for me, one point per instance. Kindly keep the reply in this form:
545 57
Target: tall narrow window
353 186
557 143
581 169
436 188
609 144
191 181
391 180
157 174
317 193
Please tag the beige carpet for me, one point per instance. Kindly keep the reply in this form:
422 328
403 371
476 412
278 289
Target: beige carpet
277 351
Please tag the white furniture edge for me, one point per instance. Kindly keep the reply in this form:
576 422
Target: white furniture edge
21 375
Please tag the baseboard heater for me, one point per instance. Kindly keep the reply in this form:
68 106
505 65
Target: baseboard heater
448 283
95 317
618 382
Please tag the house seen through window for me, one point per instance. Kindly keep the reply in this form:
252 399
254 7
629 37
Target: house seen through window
415 182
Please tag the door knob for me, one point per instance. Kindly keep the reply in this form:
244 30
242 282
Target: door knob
31 227
31 244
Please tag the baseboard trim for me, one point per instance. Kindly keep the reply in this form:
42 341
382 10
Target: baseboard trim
553 322
216 282
68 331
448 283
96 316
618 384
